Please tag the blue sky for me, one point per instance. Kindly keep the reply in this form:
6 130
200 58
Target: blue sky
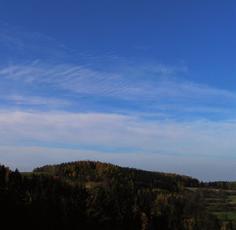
148 84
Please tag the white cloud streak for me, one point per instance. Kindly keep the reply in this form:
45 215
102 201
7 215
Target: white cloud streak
80 79
34 100
114 131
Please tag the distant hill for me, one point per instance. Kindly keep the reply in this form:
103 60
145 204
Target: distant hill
95 171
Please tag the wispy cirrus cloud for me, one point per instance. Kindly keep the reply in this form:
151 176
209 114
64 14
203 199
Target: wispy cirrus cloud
80 79
143 85
78 88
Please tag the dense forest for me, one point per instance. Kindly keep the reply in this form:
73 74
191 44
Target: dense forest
95 195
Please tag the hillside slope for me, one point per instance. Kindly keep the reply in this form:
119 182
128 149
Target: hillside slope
94 171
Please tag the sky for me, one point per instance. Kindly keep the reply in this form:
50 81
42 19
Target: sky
139 83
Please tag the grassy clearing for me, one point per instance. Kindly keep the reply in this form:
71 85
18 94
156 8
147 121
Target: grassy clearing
221 203
232 199
226 216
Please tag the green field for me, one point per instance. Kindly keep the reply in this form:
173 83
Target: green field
221 203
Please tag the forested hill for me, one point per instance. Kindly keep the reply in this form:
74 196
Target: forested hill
92 172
